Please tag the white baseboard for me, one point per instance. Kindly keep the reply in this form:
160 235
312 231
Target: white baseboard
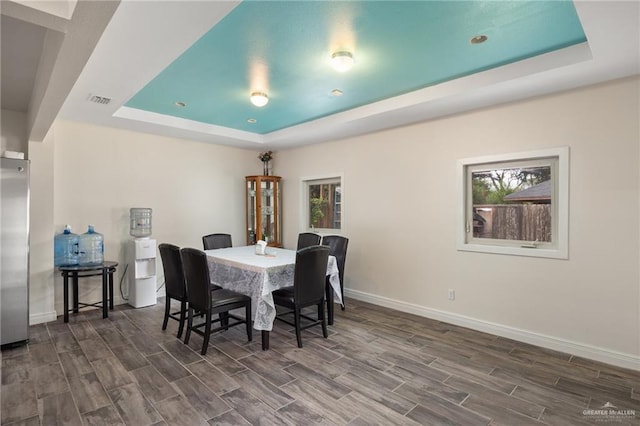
41 317
574 348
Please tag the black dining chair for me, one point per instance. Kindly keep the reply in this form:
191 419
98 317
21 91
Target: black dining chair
337 247
308 239
175 287
307 290
205 301
216 241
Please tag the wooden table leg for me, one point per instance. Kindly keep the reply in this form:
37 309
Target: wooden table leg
265 340
65 287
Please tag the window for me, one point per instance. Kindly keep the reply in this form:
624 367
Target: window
515 204
322 203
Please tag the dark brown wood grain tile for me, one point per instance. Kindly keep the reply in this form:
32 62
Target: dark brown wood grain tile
42 354
83 331
167 366
442 412
18 401
223 362
382 396
252 409
320 382
176 411
335 410
88 393
270 370
500 414
262 389
299 413
38 334
378 378
94 348
130 357
374 413
111 373
49 380
75 363
230 418
213 378
104 416
422 391
181 352
112 337
152 384
133 407
58 409
16 369
200 397
497 398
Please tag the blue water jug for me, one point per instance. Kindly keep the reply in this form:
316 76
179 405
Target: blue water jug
65 248
91 248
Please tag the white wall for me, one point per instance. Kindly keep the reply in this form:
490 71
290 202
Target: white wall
400 205
100 173
41 273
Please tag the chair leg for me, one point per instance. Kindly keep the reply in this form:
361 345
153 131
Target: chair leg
183 311
167 311
323 319
247 318
207 334
342 294
189 325
296 320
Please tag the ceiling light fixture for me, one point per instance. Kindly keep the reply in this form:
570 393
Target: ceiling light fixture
478 39
259 99
342 60
336 92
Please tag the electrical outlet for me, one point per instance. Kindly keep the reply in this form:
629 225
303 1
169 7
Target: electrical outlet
452 294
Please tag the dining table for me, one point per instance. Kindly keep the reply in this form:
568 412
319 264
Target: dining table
241 269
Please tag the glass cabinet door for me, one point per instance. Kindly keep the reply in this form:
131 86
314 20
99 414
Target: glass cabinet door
263 210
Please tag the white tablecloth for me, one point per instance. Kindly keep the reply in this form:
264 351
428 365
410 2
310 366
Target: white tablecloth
241 270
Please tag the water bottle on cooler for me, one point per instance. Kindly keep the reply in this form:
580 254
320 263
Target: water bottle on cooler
91 248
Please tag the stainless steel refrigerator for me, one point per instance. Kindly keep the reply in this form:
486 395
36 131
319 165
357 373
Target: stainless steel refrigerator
14 251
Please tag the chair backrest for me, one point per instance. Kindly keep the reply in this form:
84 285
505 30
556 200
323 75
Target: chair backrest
308 239
196 275
310 273
173 275
216 241
337 247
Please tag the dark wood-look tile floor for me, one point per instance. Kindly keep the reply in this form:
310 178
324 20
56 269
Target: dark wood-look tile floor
378 367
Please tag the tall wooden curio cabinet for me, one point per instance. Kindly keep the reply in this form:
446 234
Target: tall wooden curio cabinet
264 219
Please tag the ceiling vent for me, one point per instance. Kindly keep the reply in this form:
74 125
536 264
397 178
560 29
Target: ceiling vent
99 99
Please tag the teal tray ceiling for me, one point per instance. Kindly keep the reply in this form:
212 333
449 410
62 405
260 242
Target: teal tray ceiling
284 49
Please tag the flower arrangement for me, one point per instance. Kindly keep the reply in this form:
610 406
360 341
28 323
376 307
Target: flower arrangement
265 156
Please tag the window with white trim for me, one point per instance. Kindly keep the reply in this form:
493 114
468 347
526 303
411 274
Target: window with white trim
515 204
322 204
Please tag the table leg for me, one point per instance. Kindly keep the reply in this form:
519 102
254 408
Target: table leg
265 340
74 277
65 287
105 302
111 289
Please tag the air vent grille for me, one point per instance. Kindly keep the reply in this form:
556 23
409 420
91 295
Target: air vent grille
103 100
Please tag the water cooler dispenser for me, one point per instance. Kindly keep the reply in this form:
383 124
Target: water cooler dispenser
142 287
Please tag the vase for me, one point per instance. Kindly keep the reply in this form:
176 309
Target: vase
265 168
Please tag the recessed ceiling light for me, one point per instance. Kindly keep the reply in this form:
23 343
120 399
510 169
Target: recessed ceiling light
180 104
259 99
478 39
342 60
336 92
251 120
